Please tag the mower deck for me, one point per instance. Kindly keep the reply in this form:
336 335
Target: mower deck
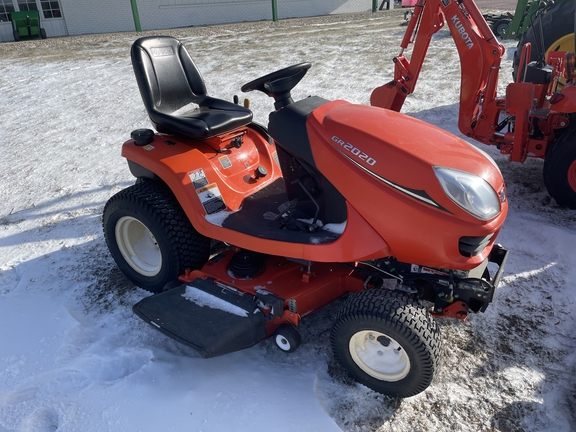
216 312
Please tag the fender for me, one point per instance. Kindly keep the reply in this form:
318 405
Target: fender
567 102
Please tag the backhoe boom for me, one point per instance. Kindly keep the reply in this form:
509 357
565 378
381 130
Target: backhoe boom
479 51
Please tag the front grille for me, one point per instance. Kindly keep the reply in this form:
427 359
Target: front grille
472 246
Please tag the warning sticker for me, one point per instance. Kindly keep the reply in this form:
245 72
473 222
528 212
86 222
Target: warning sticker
198 178
211 198
148 147
209 194
225 161
275 156
426 270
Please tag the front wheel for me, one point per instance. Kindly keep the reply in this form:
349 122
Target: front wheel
388 342
287 338
150 237
560 169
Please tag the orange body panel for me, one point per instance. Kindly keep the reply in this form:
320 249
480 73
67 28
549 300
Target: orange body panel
568 103
383 219
173 159
174 163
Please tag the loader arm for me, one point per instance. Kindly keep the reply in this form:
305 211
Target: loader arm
480 56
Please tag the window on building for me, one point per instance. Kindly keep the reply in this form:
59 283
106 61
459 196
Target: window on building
6 6
26 5
51 9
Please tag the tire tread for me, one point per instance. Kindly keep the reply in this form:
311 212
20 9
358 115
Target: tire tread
190 249
408 318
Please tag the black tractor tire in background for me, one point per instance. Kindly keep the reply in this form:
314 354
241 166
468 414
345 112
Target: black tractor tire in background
560 169
556 23
43 33
500 26
16 36
387 341
150 237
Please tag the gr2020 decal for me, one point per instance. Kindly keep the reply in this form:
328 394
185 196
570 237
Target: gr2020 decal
355 151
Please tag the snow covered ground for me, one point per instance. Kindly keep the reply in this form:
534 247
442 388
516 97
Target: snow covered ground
73 357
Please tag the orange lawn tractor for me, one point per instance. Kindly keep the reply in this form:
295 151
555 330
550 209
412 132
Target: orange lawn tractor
535 117
330 199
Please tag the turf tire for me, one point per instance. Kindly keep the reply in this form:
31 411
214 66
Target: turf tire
402 320
287 338
179 245
560 169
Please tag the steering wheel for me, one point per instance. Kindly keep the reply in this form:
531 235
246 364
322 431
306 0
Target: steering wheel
278 84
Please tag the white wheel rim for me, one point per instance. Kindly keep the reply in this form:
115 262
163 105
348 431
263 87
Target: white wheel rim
386 363
282 342
138 246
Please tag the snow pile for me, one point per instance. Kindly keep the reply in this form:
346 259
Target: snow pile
203 299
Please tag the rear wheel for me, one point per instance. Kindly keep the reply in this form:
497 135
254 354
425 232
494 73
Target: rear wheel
16 36
388 342
560 169
500 27
150 237
557 33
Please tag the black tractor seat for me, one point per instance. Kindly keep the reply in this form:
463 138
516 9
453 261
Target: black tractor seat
174 92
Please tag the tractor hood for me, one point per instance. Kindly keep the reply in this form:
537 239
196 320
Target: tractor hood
400 151
397 171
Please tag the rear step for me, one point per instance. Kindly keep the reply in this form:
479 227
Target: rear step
210 317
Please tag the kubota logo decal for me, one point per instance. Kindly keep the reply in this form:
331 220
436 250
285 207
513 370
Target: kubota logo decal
355 151
463 34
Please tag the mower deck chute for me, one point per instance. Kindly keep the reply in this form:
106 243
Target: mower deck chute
209 317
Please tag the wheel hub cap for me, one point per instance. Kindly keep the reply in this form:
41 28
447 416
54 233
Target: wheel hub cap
379 355
282 342
138 246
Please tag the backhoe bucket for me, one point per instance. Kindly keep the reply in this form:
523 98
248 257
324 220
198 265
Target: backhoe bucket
390 96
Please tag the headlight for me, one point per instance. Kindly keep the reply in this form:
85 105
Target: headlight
472 193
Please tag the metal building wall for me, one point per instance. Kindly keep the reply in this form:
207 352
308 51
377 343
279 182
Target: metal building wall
109 16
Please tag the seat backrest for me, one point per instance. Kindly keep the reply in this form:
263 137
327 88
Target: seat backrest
167 77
